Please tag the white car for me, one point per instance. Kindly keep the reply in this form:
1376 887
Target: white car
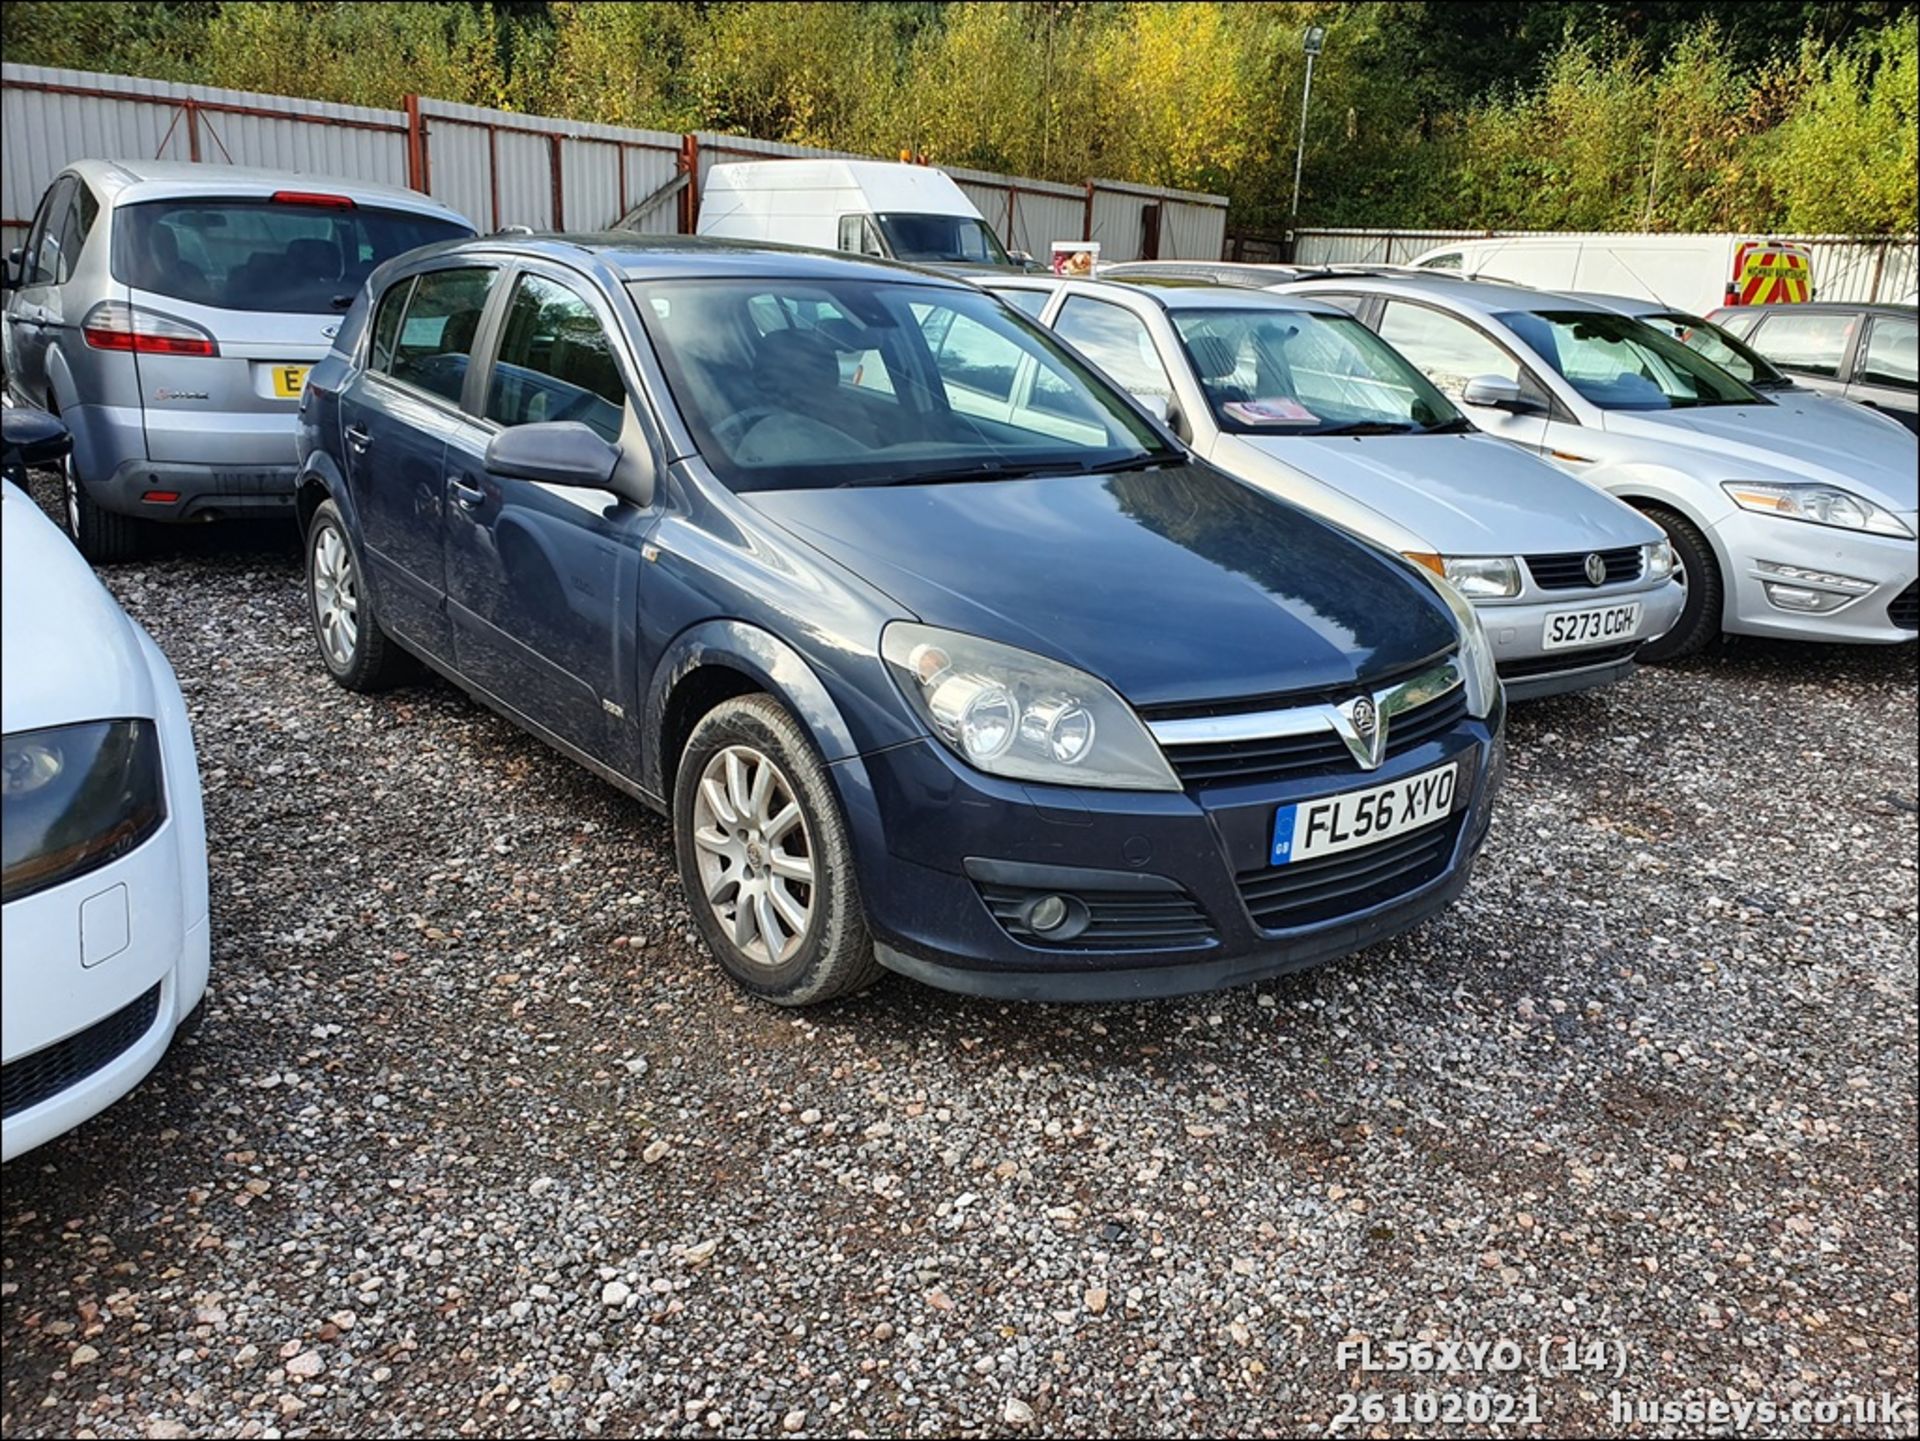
1792 518
105 946
1300 400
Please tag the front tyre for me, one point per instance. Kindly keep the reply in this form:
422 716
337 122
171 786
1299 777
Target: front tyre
765 857
1699 622
355 650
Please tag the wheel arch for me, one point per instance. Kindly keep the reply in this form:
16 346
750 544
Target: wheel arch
715 661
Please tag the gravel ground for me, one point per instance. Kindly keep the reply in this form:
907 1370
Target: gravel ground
474 1138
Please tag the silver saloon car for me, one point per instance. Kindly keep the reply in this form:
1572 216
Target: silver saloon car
169 312
1301 400
1792 518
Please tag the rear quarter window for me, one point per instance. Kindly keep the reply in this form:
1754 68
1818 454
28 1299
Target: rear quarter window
259 255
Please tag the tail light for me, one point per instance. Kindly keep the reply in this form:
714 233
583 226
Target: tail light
115 325
312 197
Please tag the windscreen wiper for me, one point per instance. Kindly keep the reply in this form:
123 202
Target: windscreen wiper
988 470
1369 427
1459 425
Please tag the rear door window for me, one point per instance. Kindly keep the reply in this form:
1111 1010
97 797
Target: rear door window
263 255
434 344
1812 344
1890 354
555 363
43 242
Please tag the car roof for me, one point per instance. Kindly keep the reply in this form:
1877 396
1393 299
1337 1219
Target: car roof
1482 296
635 257
1175 293
128 181
1831 307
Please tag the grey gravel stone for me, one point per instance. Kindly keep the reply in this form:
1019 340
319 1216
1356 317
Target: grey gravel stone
1651 1083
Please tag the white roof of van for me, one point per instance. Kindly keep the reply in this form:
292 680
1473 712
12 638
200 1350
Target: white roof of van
887 185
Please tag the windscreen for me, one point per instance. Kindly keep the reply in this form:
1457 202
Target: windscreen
1723 348
263 255
1620 363
799 384
941 238
1295 372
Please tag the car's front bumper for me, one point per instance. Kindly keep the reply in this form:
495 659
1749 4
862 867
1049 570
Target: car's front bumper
923 822
1518 630
1865 582
82 1020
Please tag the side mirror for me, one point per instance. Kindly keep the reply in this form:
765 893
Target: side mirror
32 438
1496 392
565 452
16 266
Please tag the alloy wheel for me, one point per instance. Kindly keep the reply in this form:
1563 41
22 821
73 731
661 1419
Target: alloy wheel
336 597
755 853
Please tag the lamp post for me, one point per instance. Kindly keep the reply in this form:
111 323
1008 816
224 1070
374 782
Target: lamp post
1316 35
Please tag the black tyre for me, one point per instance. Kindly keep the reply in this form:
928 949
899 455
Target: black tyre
765 857
1699 623
102 536
355 650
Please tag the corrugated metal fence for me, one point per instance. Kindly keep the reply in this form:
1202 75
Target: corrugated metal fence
502 168
1845 267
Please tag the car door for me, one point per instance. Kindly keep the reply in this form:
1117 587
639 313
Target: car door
396 414
1810 345
33 309
1452 350
543 580
1884 374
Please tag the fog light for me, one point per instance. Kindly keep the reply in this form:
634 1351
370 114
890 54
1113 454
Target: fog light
1049 913
1808 602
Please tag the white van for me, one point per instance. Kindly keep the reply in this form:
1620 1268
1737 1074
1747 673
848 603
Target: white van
870 207
1694 273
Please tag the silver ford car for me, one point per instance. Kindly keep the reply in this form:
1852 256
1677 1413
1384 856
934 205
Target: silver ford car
1792 518
168 313
1299 399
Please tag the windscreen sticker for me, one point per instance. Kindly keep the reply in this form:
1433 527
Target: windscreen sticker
1270 412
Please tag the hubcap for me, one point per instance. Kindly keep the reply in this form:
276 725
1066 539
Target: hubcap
755 854
336 598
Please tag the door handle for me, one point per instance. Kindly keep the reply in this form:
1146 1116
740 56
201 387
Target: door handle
471 496
359 437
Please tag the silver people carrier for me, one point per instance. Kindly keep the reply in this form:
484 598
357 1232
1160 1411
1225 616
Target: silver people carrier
168 313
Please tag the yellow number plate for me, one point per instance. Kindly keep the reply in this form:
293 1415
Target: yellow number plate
289 380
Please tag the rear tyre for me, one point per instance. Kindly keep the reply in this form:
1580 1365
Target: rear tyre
355 650
1699 622
102 536
765 857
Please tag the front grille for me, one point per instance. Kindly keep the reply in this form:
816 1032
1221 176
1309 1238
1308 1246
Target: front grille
1118 920
1568 660
1275 758
1310 893
52 1069
1569 571
1904 609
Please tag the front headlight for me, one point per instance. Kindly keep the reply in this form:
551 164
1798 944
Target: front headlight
1476 651
1817 504
1660 561
76 798
1477 577
1011 713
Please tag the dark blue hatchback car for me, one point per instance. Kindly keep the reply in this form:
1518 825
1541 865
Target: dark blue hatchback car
940 653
